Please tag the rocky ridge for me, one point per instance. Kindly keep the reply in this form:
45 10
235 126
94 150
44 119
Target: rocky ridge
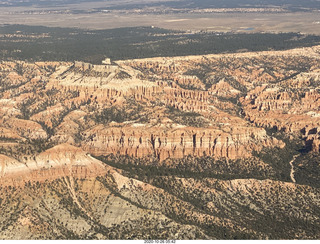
153 148
60 161
206 91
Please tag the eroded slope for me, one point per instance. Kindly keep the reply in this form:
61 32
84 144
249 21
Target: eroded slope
215 146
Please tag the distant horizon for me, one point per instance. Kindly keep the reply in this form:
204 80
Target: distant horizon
294 5
160 120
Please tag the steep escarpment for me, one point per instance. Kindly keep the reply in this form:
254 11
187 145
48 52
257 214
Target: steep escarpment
295 109
166 118
163 143
198 147
60 161
115 206
222 106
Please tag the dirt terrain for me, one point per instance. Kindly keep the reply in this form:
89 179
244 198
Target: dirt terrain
193 147
109 15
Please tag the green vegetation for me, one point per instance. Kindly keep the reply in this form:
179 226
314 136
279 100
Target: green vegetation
115 114
307 169
279 158
186 118
148 169
34 43
131 112
273 222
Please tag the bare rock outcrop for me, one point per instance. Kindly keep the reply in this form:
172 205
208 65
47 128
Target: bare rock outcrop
177 142
212 105
26 128
60 161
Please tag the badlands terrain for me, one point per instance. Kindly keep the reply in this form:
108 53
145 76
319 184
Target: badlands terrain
219 146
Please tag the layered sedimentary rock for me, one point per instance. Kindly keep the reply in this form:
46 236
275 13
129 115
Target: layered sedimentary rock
312 135
26 128
198 147
141 141
10 166
60 161
213 105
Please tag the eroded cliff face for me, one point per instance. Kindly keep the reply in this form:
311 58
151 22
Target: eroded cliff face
296 110
271 89
165 148
164 143
115 206
313 138
60 161
216 105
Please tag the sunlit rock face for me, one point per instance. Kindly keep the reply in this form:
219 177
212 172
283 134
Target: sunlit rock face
197 147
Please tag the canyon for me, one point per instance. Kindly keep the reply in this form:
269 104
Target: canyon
190 147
